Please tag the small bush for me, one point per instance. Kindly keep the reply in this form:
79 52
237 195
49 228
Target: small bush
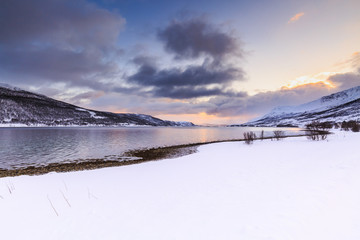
317 135
345 126
355 128
249 137
278 134
350 125
317 126
262 135
326 126
318 131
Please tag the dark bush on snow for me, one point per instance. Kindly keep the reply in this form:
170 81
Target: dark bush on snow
262 137
278 134
318 131
350 125
249 137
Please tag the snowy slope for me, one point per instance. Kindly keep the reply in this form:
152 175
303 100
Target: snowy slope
294 189
336 107
19 107
321 104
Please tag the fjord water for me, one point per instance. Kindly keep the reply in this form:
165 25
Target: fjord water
23 147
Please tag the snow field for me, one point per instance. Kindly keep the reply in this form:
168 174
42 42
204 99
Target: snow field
289 189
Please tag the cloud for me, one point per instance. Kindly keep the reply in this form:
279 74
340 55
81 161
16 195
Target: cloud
345 81
175 91
225 106
355 60
192 82
86 97
195 37
296 17
229 105
56 65
69 50
65 23
264 102
58 41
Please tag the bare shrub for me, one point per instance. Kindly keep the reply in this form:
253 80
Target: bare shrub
355 128
278 134
324 126
318 131
262 135
249 137
350 125
345 126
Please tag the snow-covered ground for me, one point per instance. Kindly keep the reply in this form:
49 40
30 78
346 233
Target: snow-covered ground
289 189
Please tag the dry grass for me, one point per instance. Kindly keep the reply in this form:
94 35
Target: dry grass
52 206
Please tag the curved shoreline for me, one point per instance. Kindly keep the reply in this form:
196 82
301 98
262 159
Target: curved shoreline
128 158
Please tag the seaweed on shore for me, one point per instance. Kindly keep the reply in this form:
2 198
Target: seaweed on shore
128 158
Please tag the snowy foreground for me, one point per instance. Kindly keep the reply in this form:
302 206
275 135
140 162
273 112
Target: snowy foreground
289 189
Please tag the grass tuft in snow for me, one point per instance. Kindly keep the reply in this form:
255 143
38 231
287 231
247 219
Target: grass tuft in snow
52 206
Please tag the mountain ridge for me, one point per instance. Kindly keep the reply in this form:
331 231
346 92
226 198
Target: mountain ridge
336 107
20 107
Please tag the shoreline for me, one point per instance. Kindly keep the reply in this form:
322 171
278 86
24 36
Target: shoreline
131 157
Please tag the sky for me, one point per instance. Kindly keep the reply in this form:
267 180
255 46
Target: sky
209 62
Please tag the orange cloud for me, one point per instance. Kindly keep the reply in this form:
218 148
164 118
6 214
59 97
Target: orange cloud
296 17
316 78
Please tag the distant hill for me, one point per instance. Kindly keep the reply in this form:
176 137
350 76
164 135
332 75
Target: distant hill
26 108
337 107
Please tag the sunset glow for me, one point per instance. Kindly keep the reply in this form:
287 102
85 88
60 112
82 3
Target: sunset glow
205 119
318 78
296 17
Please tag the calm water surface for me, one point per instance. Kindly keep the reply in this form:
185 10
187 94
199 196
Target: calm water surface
23 147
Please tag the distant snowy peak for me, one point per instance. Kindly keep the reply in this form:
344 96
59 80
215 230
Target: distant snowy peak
157 121
342 97
321 104
337 107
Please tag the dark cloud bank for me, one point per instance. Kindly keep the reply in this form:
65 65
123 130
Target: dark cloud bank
58 41
192 39
195 37
192 82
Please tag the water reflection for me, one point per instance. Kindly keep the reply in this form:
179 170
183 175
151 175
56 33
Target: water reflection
21 147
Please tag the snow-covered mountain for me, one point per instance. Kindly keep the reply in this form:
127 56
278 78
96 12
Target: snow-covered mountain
19 107
337 107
